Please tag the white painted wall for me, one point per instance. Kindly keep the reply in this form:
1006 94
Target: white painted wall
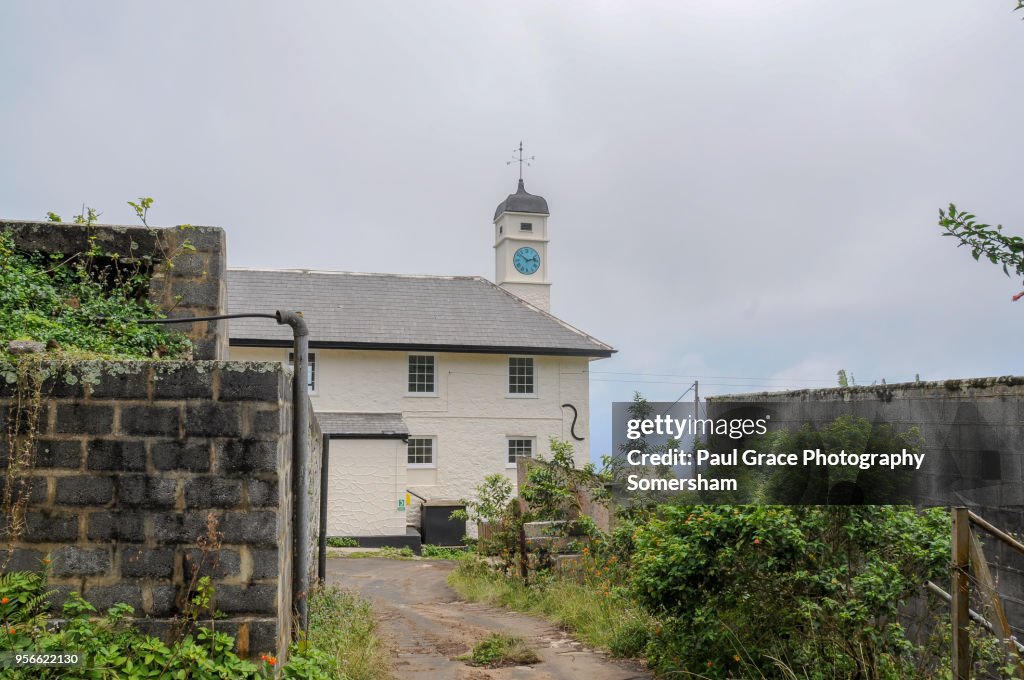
366 479
471 415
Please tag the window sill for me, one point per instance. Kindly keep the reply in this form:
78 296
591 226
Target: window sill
421 466
532 395
420 395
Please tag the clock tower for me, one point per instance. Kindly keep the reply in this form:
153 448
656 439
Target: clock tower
521 247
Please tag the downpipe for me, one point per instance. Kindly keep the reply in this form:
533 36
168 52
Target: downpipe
300 447
300 465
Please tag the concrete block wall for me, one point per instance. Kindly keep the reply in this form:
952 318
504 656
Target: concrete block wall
973 427
132 461
185 283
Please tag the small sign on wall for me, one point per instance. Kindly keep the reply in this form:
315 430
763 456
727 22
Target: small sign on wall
401 504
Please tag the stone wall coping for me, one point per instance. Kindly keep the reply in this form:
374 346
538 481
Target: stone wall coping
823 393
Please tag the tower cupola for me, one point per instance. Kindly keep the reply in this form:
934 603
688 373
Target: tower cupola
522 202
521 247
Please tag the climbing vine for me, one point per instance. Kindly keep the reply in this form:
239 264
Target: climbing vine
22 425
76 306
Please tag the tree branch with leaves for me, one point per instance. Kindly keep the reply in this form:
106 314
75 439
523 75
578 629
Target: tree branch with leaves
985 240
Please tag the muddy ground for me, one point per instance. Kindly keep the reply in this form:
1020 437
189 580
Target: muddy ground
428 626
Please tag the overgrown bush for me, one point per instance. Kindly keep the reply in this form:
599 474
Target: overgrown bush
553 490
837 485
341 643
109 646
80 302
817 589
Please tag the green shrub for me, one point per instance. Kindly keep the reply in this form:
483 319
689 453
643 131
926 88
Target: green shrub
815 587
112 648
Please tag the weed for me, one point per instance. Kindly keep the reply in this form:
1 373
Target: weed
601 617
343 628
387 553
501 650
439 552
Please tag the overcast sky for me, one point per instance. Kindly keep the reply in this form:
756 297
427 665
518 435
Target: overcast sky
742 188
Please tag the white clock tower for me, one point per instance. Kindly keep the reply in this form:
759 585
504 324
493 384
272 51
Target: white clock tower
521 247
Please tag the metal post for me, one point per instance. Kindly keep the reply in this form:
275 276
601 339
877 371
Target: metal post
322 556
961 594
300 465
696 400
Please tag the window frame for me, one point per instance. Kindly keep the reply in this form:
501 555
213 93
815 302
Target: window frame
433 453
518 438
532 394
526 227
312 382
408 374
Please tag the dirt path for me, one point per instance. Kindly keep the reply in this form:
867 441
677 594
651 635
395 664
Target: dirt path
428 626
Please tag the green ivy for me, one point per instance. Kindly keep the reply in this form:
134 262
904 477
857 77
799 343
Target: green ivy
84 303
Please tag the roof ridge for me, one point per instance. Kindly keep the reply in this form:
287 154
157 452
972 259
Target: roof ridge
333 272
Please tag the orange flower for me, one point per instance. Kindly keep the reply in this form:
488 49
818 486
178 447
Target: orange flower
757 541
272 660
710 664
4 600
736 657
11 631
46 560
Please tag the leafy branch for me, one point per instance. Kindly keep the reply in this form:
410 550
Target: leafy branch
984 239
142 208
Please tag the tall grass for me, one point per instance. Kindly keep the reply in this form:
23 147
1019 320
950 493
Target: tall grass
343 626
599 617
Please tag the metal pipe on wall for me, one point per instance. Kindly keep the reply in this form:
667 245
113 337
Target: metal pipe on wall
300 446
300 465
322 546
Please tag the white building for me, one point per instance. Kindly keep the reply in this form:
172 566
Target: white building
427 384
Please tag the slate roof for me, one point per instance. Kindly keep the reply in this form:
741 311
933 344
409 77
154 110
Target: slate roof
523 202
389 311
341 425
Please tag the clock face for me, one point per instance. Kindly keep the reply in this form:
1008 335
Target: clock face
526 260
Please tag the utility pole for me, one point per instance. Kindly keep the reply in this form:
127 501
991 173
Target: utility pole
696 400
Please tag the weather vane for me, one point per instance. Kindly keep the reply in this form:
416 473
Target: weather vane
520 159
